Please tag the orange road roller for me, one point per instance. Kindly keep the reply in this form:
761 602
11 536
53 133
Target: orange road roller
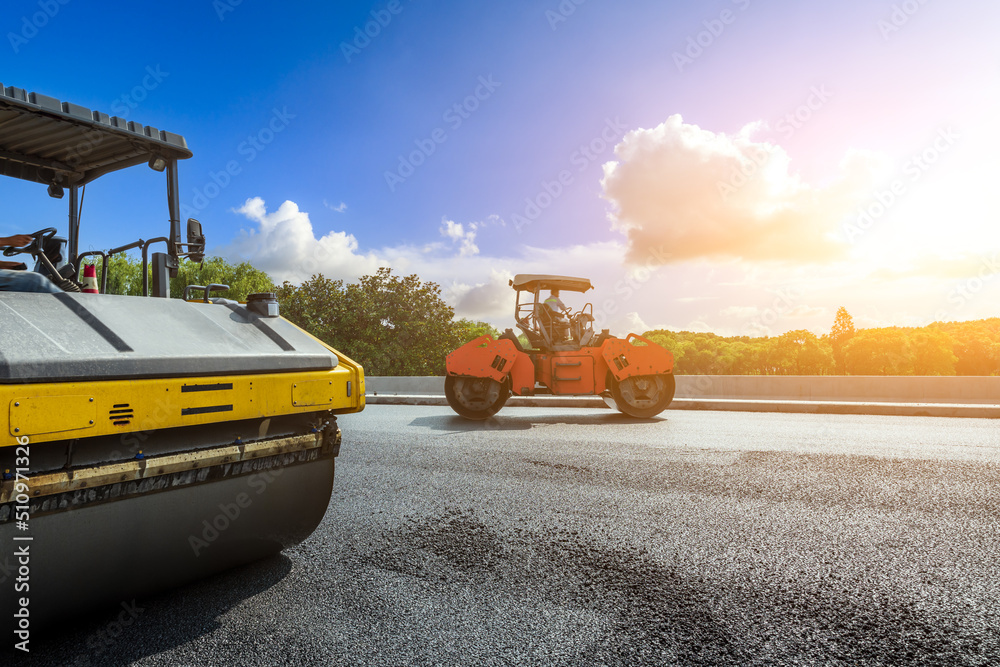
563 357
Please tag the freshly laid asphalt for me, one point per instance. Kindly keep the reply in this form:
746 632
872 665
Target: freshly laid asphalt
578 536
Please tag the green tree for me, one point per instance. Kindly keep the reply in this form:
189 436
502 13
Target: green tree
932 352
756 356
805 354
742 363
124 274
977 346
125 277
878 352
781 354
816 358
392 325
464 330
841 332
319 306
243 278
943 348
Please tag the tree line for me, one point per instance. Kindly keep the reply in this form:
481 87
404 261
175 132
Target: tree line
941 348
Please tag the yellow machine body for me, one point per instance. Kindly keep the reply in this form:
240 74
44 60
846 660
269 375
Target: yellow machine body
57 411
144 441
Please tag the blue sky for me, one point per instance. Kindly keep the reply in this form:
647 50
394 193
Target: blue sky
313 122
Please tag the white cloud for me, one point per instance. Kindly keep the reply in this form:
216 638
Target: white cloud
629 323
462 235
807 312
490 300
740 312
340 208
699 326
452 230
284 245
699 194
695 299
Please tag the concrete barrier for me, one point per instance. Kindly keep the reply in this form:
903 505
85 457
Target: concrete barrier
849 389
878 389
429 385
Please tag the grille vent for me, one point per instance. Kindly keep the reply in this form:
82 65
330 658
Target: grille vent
121 414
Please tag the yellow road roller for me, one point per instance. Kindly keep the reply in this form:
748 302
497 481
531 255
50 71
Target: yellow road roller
146 441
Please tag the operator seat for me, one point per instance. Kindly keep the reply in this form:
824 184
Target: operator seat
534 339
545 324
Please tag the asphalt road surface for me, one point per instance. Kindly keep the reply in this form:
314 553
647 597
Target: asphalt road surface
580 537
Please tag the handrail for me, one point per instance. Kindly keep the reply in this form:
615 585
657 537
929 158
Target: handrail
206 289
145 261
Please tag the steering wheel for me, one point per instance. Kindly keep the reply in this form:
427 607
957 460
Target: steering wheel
36 246
37 250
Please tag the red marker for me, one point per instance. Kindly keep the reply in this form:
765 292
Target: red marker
90 279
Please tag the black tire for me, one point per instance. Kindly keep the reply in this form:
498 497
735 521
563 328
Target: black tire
643 396
476 398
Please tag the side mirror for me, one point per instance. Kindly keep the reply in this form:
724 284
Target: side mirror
195 241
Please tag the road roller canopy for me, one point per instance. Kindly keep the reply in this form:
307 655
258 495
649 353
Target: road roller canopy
529 282
61 144
66 146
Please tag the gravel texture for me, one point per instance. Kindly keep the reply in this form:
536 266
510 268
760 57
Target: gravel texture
581 537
